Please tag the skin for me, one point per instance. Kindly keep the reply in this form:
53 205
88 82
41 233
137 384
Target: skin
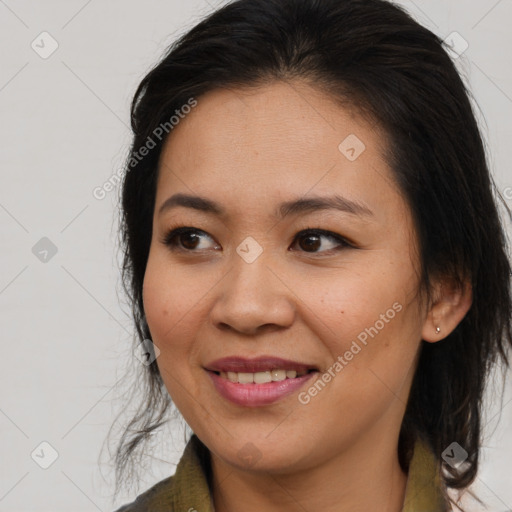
302 299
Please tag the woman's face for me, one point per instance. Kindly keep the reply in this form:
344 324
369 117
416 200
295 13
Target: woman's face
248 281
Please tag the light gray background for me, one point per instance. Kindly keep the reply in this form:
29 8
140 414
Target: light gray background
65 331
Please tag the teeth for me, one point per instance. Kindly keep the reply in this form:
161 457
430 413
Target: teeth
245 378
262 377
274 375
278 375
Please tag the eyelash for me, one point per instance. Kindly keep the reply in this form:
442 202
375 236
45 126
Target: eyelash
173 233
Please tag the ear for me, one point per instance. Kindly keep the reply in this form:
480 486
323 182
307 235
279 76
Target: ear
450 305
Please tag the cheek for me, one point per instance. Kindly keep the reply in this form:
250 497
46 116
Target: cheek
349 307
369 322
171 300
373 360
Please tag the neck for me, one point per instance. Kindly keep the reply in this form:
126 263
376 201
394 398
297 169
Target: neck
365 477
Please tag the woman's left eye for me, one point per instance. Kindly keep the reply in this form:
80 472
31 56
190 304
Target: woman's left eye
313 238
188 239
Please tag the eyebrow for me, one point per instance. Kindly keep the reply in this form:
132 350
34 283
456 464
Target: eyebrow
303 205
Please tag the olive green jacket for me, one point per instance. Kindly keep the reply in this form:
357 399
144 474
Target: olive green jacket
188 491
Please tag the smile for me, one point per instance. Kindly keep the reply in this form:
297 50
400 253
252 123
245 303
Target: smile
261 377
258 382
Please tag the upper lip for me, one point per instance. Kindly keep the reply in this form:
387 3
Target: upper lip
257 364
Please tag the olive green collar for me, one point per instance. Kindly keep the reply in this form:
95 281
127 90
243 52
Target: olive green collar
423 491
188 489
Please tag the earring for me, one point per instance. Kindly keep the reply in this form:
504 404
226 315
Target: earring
438 330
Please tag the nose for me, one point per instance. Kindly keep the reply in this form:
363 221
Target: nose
253 298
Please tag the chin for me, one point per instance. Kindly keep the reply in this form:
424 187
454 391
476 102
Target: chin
260 453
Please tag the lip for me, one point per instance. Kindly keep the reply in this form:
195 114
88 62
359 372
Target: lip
257 395
257 364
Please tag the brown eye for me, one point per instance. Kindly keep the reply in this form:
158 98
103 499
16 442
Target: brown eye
185 239
311 240
189 239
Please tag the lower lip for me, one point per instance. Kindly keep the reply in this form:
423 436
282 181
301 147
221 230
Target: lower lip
254 395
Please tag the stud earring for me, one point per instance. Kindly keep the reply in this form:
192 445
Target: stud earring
438 330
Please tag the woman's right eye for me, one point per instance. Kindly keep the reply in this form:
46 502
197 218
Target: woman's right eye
185 239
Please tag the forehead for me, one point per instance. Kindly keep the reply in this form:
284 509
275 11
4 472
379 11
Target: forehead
281 119
277 141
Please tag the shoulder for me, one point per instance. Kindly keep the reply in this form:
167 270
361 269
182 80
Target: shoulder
158 498
188 486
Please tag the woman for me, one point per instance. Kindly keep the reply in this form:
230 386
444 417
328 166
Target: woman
313 245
